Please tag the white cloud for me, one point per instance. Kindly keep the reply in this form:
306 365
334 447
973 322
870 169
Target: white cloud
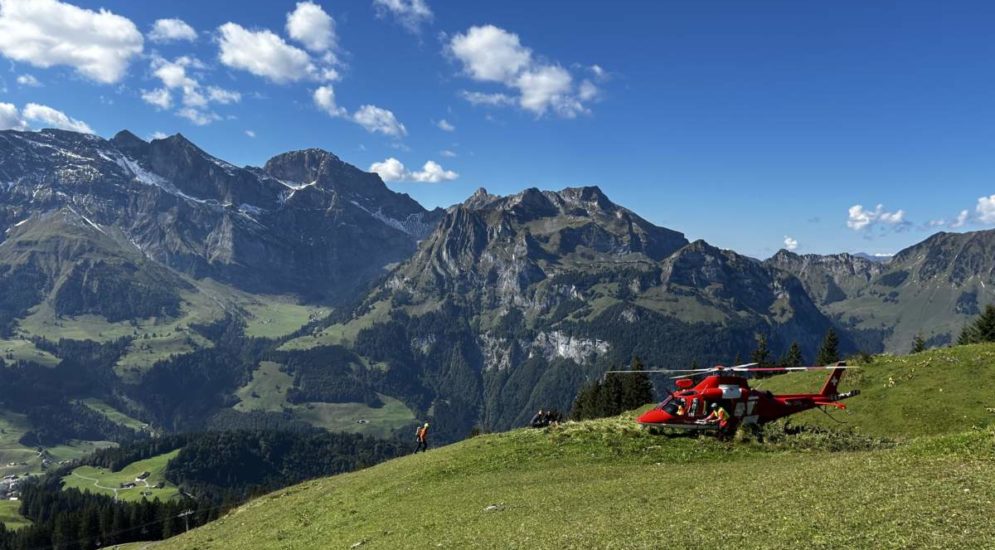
312 26
432 172
588 91
158 135
986 209
549 87
960 221
324 98
447 153
172 30
46 33
28 80
374 119
378 120
250 133
10 118
264 54
392 169
52 118
222 96
445 125
892 218
481 98
197 116
860 218
491 54
195 98
160 97
789 243
411 14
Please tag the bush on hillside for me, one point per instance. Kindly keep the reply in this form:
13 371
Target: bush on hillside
784 436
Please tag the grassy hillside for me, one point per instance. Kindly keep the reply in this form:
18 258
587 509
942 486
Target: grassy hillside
106 482
9 515
267 391
603 484
935 392
115 415
607 483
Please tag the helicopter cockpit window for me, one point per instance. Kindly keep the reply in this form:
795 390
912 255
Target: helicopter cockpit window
693 409
670 405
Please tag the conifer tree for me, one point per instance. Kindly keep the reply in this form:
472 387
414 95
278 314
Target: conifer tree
829 352
609 402
793 357
981 330
761 355
585 403
918 344
637 388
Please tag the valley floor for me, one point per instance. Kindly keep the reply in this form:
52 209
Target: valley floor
604 484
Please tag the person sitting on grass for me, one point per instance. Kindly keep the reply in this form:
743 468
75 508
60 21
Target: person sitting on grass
540 420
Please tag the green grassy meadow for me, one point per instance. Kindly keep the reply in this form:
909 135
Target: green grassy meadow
106 482
25 350
115 415
928 393
9 515
267 391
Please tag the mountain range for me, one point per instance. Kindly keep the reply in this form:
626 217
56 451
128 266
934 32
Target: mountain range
307 291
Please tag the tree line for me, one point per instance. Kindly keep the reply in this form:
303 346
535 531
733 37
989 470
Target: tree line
73 520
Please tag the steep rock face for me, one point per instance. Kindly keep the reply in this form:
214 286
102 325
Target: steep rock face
307 223
511 242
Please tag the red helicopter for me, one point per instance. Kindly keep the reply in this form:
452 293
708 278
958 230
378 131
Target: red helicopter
690 407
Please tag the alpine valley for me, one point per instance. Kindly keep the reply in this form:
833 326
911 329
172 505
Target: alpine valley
152 286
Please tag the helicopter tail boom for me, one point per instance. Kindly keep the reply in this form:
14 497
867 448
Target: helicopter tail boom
829 389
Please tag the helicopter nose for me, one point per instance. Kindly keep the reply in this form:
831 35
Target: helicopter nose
654 416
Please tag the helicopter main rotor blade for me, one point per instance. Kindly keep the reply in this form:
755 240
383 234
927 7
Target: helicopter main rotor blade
782 369
650 371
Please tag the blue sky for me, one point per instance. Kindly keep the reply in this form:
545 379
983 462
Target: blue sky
747 124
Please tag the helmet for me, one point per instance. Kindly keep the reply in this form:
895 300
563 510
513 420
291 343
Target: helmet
426 424
715 405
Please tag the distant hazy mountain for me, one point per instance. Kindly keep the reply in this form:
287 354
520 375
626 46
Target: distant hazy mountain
932 288
884 258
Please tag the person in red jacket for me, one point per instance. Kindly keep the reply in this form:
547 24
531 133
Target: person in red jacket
421 436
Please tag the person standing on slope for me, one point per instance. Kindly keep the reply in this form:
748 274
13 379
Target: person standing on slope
421 436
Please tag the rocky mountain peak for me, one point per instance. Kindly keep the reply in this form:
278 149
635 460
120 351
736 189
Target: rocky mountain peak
303 166
591 196
130 144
